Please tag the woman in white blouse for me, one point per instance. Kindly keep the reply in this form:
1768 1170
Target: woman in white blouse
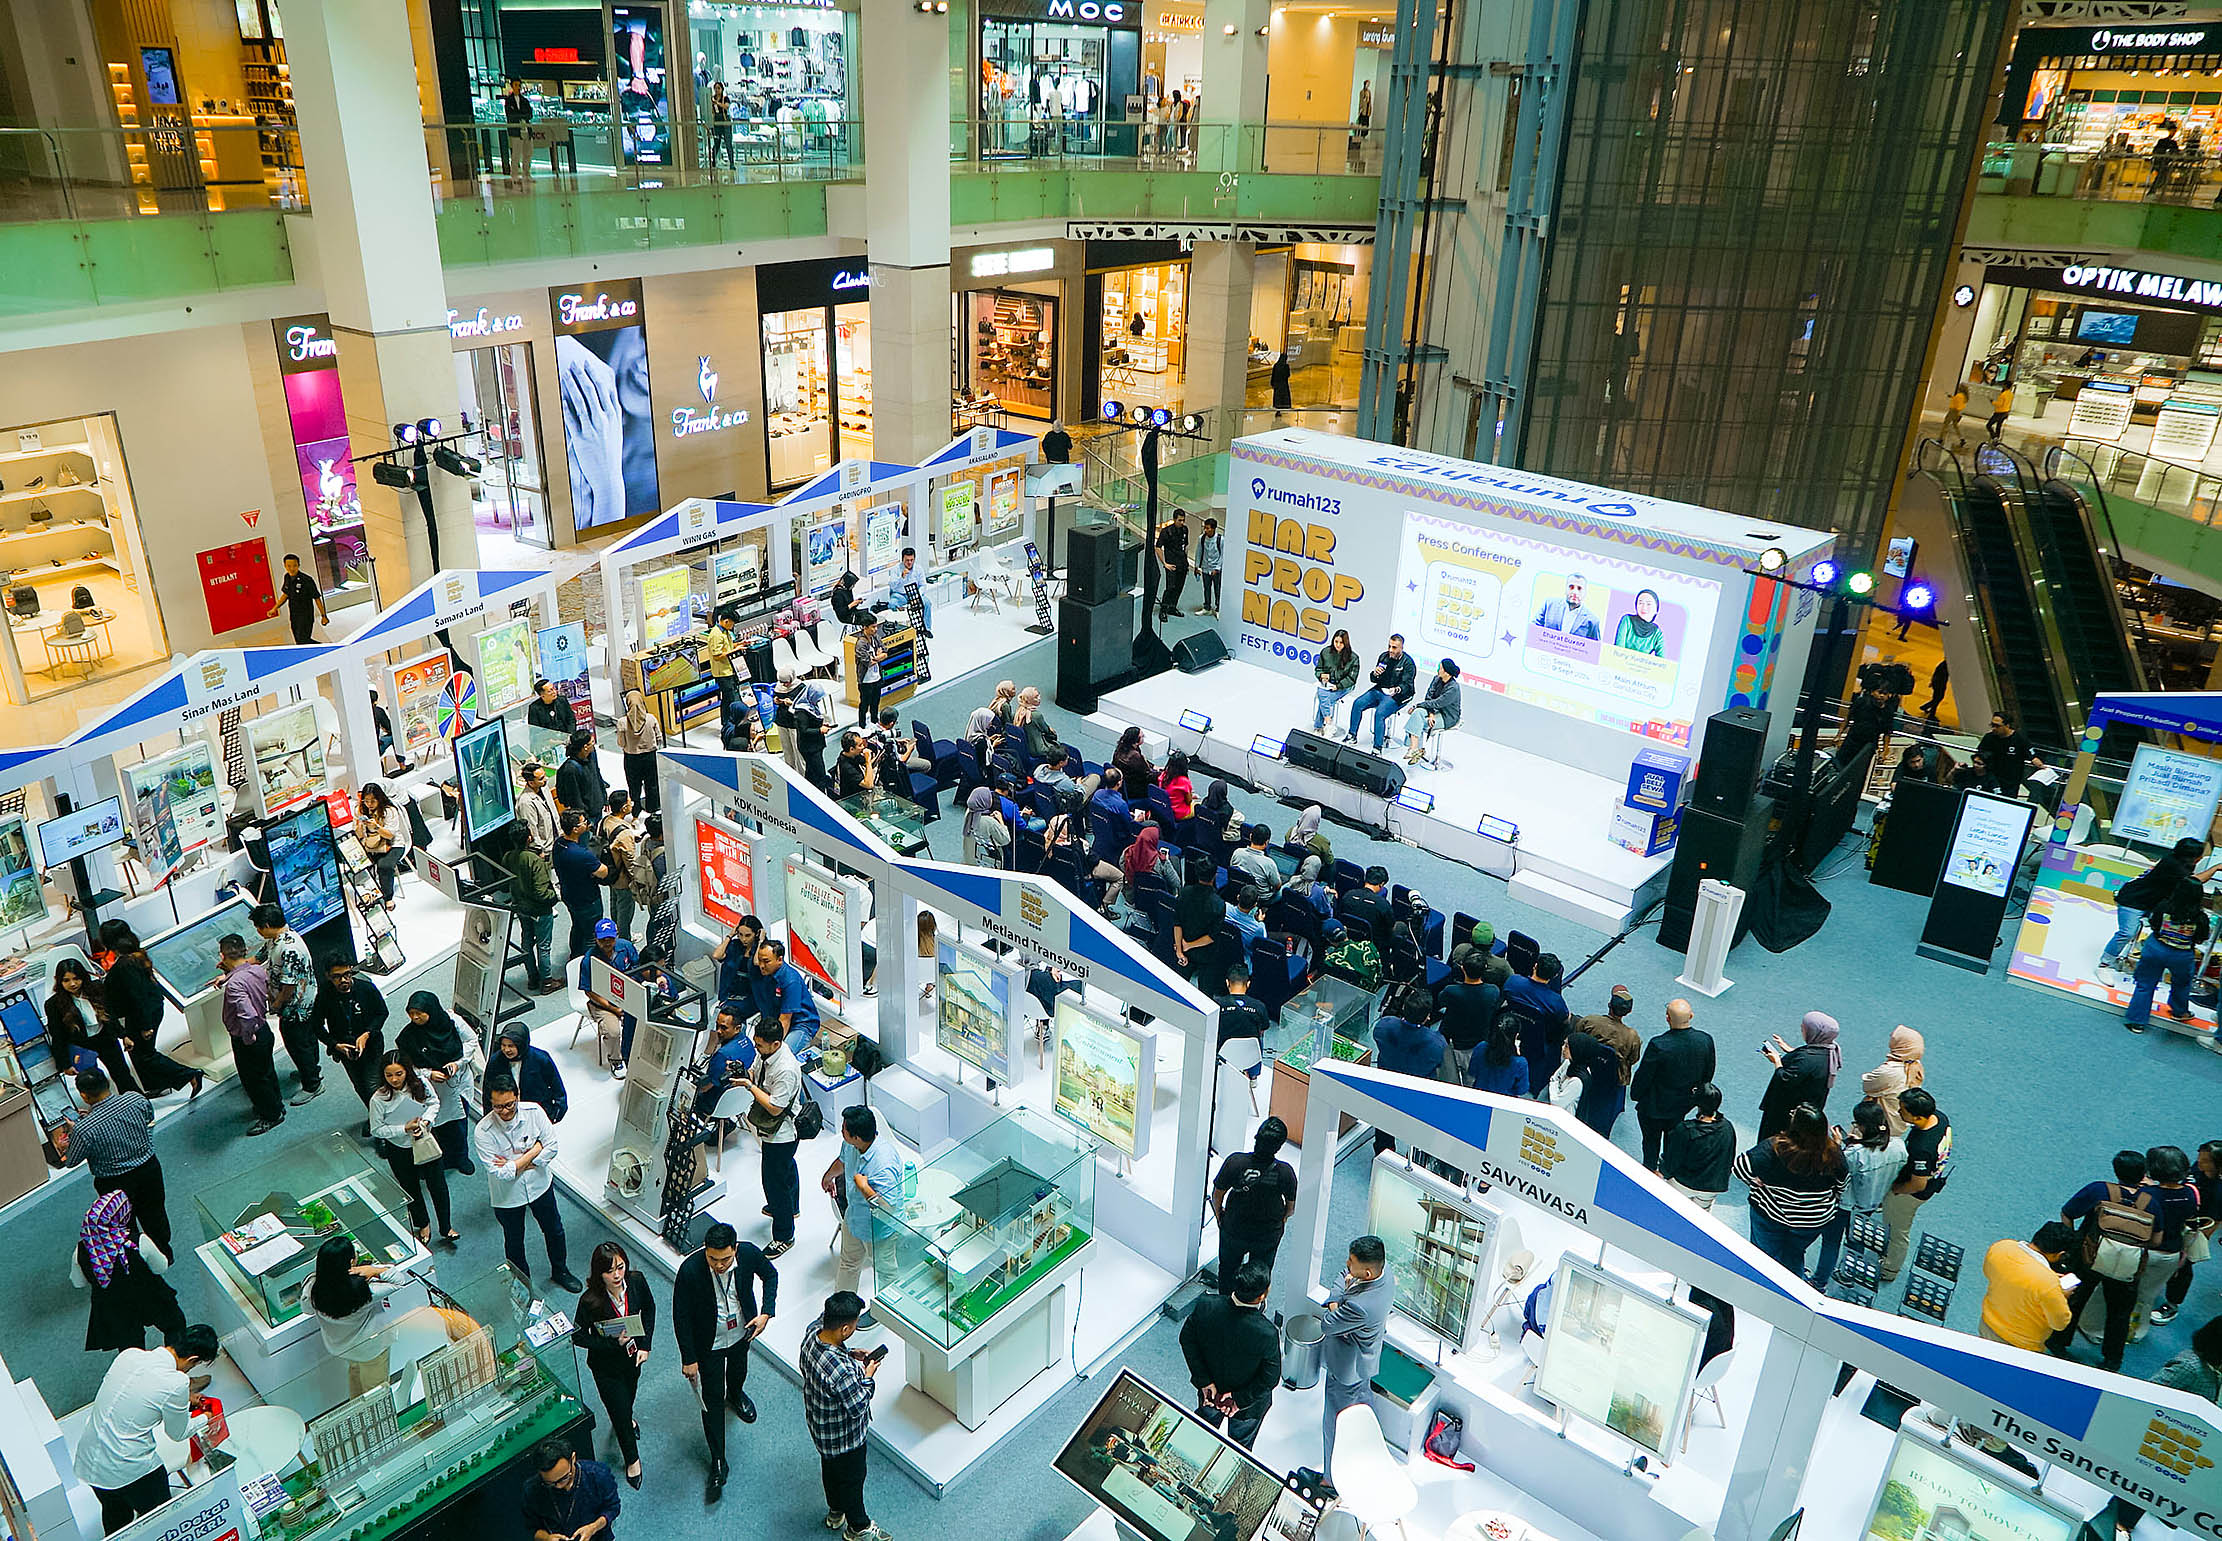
348 1301
402 1110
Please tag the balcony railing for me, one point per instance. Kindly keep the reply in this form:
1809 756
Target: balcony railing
2189 491
485 161
119 173
2113 176
1293 149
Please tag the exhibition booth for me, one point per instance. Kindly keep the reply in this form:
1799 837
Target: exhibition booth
1049 1084
1625 1366
1590 627
2168 795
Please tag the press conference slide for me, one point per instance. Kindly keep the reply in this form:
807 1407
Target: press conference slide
1591 637
2168 796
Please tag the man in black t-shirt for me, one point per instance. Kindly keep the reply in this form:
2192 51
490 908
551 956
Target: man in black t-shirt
302 601
2007 756
1172 552
1252 1198
1468 1008
1928 1163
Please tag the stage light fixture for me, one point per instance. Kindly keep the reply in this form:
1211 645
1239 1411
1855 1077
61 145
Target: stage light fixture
1825 573
1228 29
1139 415
386 474
1861 583
1160 416
1113 411
1773 560
454 463
1919 596
405 433
1192 422
429 427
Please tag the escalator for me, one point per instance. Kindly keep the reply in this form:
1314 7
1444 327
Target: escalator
2004 577
2080 575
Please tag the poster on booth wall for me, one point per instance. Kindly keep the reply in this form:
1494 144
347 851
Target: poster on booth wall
563 662
286 749
665 611
416 702
737 574
1105 1071
728 873
22 902
505 672
956 516
883 542
609 428
2167 797
818 927
972 1018
1619 1356
825 554
1928 1492
1004 504
1589 636
186 781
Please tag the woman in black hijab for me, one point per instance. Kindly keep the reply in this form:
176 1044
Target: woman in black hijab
449 1062
534 1070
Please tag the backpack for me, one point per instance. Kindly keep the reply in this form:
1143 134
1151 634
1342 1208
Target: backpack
1256 1202
1354 960
2116 1233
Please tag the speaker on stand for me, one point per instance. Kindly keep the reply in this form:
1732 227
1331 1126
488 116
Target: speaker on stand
1095 643
1092 563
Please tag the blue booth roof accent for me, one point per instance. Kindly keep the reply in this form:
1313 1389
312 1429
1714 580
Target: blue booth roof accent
2195 713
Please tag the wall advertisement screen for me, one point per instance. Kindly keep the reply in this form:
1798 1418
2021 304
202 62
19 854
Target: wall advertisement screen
1105 1074
505 667
973 992
1593 637
823 937
665 611
304 863
2168 796
1927 1491
184 781
728 872
563 660
482 774
609 427
287 749
643 91
1619 1356
416 701
22 902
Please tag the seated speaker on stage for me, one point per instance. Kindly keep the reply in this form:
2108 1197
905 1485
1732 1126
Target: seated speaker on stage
1337 668
1395 676
1441 708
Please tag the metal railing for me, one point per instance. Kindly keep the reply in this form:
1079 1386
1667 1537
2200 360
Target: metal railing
2113 176
478 160
163 168
2189 491
1294 149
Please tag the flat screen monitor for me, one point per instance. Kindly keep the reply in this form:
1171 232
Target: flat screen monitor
304 862
184 957
19 1015
1618 1356
82 832
2116 326
1171 1477
1106 1073
1928 1490
489 794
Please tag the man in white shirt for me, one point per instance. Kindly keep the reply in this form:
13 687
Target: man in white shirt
517 1143
144 1390
775 1080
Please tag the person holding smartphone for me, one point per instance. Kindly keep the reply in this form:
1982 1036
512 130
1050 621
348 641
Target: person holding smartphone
837 1402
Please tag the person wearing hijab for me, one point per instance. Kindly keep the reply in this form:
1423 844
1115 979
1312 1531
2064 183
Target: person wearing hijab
1639 630
1803 1076
639 736
123 1269
533 1070
1305 832
1146 856
1899 1072
987 838
1217 811
450 1063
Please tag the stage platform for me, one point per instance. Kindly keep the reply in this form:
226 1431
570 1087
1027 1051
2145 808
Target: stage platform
1558 855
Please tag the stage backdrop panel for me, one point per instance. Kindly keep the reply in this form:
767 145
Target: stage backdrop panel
1586 623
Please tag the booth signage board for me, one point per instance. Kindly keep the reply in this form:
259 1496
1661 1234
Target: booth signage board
563 661
210 1510
883 541
456 598
626 993
2102 409
1619 1356
737 574
974 998
416 701
1104 1073
216 681
825 927
286 749
825 554
956 516
505 665
2184 430
22 901
186 781
2168 796
665 614
726 859
443 876
1969 905
1927 1490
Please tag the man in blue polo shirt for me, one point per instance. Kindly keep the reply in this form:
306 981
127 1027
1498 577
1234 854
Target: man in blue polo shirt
579 877
783 994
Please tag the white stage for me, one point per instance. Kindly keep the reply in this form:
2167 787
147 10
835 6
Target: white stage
1561 858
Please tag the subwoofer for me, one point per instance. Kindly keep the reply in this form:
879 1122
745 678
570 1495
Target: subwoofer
1729 766
1724 847
1094 643
1092 563
1308 751
1195 653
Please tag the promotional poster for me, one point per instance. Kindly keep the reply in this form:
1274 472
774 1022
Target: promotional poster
825 554
1004 504
609 428
883 542
957 501
2169 796
304 863
1104 1074
973 1012
1619 1356
287 748
21 900
1927 1493
185 782
642 82
416 701
664 610
563 662
818 927
728 875
505 672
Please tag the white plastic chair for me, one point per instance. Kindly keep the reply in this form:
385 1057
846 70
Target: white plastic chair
1531 1344
809 656
826 635
1244 1055
784 659
732 1104
1707 1388
574 1000
1367 1474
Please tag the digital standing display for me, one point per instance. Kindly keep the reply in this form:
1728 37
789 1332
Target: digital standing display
641 82
2168 796
821 935
1987 844
82 832
505 665
1929 1492
489 796
1105 1074
609 428
304 863
1619 1356
1593 637
21 899
184 957
972 1019
728 873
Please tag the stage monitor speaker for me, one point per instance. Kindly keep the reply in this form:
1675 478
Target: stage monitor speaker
1197 652
1369 772
1094 643
1724 847
1308 751
1092 563
1728 769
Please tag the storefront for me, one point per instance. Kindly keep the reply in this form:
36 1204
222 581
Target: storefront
786 72
1060 77
308 363
78 599
1326 65
1137 350
1309 300
2082 88
1011 313
1172 51
817 329
494 391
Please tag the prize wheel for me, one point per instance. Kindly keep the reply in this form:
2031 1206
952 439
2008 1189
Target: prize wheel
458 707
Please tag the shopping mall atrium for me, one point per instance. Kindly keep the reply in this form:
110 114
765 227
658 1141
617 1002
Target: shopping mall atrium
1254 769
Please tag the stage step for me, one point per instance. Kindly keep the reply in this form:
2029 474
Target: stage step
1566 901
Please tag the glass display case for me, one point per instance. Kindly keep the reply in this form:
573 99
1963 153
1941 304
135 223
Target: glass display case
982 1222
476 1379
268 1221
1331 1020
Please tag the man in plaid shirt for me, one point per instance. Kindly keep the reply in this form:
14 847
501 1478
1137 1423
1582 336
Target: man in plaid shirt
837 1400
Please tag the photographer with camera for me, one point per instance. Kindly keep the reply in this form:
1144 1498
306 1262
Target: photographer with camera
1874 711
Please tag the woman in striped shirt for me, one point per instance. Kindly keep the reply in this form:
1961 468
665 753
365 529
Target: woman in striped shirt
1796 1180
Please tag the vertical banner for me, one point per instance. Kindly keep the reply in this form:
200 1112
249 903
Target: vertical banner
563 663
416 702
609 430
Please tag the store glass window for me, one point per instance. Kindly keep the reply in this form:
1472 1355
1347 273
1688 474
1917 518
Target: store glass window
1047 88
852 357
786 72
1145 334
509 495
798 413
79 604
1014 350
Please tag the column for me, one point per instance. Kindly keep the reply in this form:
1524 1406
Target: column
906 210
1219 333
1232 113
354 75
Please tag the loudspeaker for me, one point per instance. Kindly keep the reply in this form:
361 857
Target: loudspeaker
1728 770
1197 652
1369 772
1721 846
1308 751
1094 643
1092 563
